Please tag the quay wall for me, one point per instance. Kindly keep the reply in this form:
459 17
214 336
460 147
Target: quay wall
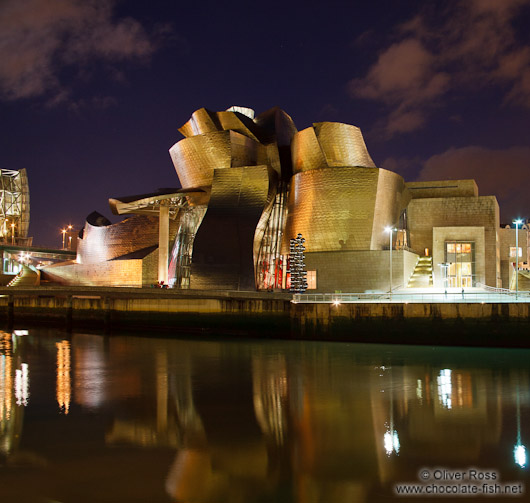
266 315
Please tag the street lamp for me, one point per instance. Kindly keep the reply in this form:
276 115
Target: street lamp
517 223
64 234
390 230
13 234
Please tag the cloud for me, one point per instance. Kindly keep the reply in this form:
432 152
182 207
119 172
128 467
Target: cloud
38 38
468 45
401 74
502 173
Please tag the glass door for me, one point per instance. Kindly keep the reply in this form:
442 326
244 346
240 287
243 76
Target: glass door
461 259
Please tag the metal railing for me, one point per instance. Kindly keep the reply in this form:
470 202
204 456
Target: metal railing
480 297
494 289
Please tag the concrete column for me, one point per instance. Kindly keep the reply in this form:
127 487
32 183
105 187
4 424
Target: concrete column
163 244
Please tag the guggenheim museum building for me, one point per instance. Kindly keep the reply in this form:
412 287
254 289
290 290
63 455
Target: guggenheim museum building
249 184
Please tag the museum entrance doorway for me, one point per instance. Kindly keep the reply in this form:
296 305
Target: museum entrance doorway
460 257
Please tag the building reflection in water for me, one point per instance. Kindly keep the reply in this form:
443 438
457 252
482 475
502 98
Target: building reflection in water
22 384
270 396
90 374
14 393
290 422
346 432
6 377
64 386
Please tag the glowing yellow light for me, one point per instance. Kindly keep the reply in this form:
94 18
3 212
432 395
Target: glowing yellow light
64 387
6 377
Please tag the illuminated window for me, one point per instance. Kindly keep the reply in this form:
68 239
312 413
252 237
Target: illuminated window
512 251
311 280
461 259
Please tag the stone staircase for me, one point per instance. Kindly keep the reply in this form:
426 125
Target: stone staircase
26 277
422 275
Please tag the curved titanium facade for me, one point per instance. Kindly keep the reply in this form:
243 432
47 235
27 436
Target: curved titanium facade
203 121
196 158
343 208
270 182
100 242
223 248
242 160
329 144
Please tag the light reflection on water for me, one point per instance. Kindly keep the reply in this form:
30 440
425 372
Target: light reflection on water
143 419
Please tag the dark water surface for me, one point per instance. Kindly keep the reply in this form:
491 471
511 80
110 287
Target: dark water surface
89 418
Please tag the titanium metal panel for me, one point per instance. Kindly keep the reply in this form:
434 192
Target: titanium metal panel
278 125
234 121
332 208
306 152
202 121
106 242
245 151
342 145
223 247
390 200
196 158
278 130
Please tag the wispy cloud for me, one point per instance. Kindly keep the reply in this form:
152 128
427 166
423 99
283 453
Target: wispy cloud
469 45
38 38
495 172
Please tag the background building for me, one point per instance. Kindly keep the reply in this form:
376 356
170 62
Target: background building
14 207
508 254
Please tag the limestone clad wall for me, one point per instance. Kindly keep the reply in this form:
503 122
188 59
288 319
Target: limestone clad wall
442 188
425 214
358 271
507 241
472 234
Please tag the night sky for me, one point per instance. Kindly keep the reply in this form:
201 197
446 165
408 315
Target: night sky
92 91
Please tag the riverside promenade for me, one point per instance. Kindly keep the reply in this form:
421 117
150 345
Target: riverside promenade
476 317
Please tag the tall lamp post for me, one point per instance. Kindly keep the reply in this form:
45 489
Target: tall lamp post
517 223
390 230
64 234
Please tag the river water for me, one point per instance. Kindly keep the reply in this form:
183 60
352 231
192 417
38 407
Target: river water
91 418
